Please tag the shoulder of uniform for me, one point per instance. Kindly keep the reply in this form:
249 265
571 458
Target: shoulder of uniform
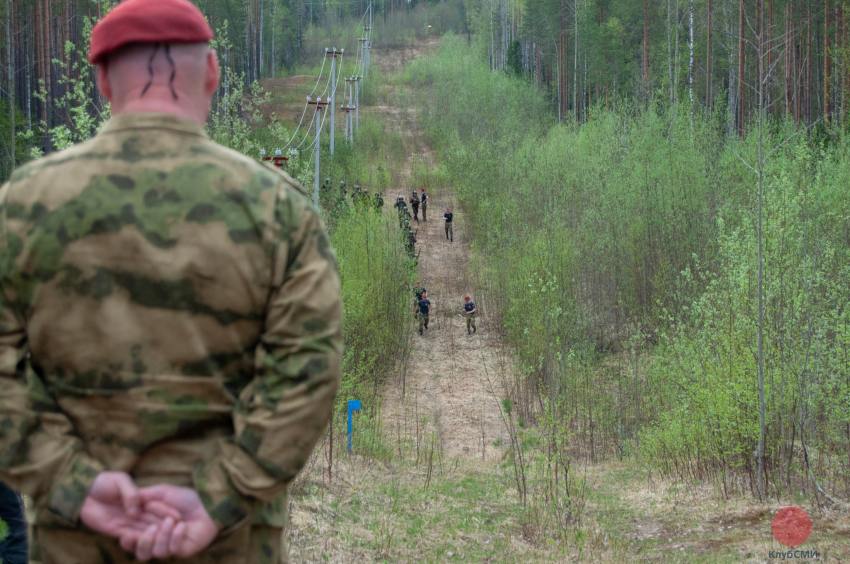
288 181
273 174
33 167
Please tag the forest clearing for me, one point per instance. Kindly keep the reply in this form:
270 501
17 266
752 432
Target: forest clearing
650 211
445 489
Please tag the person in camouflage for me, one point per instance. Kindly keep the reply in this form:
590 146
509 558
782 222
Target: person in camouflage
423 311
423 198
470 312
170 320
414 203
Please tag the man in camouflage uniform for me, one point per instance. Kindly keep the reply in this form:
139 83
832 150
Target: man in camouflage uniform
414 203
423 311
470 312
423 198
169 320
357 194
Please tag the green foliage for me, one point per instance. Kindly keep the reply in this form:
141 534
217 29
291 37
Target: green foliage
376 270
81 111
376 277
367 161
19 146
237 116
635 234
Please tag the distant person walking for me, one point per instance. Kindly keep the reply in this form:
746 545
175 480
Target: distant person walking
449 216
423 202
423 311
469 312
400 204
414 203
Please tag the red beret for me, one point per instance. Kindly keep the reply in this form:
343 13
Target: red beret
148 21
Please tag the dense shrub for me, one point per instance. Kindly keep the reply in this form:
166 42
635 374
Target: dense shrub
635 234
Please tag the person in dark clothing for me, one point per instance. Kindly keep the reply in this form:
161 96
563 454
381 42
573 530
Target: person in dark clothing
449 216
13 547
400 204
414 203
423 311
469 312
379 201
410 243
423 203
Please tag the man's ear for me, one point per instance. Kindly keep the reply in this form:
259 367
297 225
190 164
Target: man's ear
103 85
213 73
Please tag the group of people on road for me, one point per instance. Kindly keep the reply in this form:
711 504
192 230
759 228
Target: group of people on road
422 309
419 201
422 305
360 197
404 223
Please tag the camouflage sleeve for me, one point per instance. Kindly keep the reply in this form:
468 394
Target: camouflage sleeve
285 409
39 454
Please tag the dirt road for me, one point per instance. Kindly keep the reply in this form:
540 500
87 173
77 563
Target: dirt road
450 389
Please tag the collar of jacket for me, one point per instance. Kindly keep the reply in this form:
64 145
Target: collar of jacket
170 122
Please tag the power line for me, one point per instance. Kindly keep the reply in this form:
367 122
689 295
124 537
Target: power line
304 111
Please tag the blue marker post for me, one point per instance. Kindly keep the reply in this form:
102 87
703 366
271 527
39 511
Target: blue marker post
353 405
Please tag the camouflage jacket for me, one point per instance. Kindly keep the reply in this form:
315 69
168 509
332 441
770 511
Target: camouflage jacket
169 308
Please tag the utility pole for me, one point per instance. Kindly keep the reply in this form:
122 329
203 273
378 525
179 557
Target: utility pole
349 127
333 53
357 101
317 147
351 82
365 42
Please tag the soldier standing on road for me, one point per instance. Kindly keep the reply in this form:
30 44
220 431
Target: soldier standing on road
400 204
410 243
423 311
379 201
469 312
357 194
449 216
414 203
181 292
423 199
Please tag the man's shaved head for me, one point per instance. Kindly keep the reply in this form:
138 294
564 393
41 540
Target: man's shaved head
178 79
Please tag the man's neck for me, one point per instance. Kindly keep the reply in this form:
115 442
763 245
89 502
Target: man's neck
148 106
